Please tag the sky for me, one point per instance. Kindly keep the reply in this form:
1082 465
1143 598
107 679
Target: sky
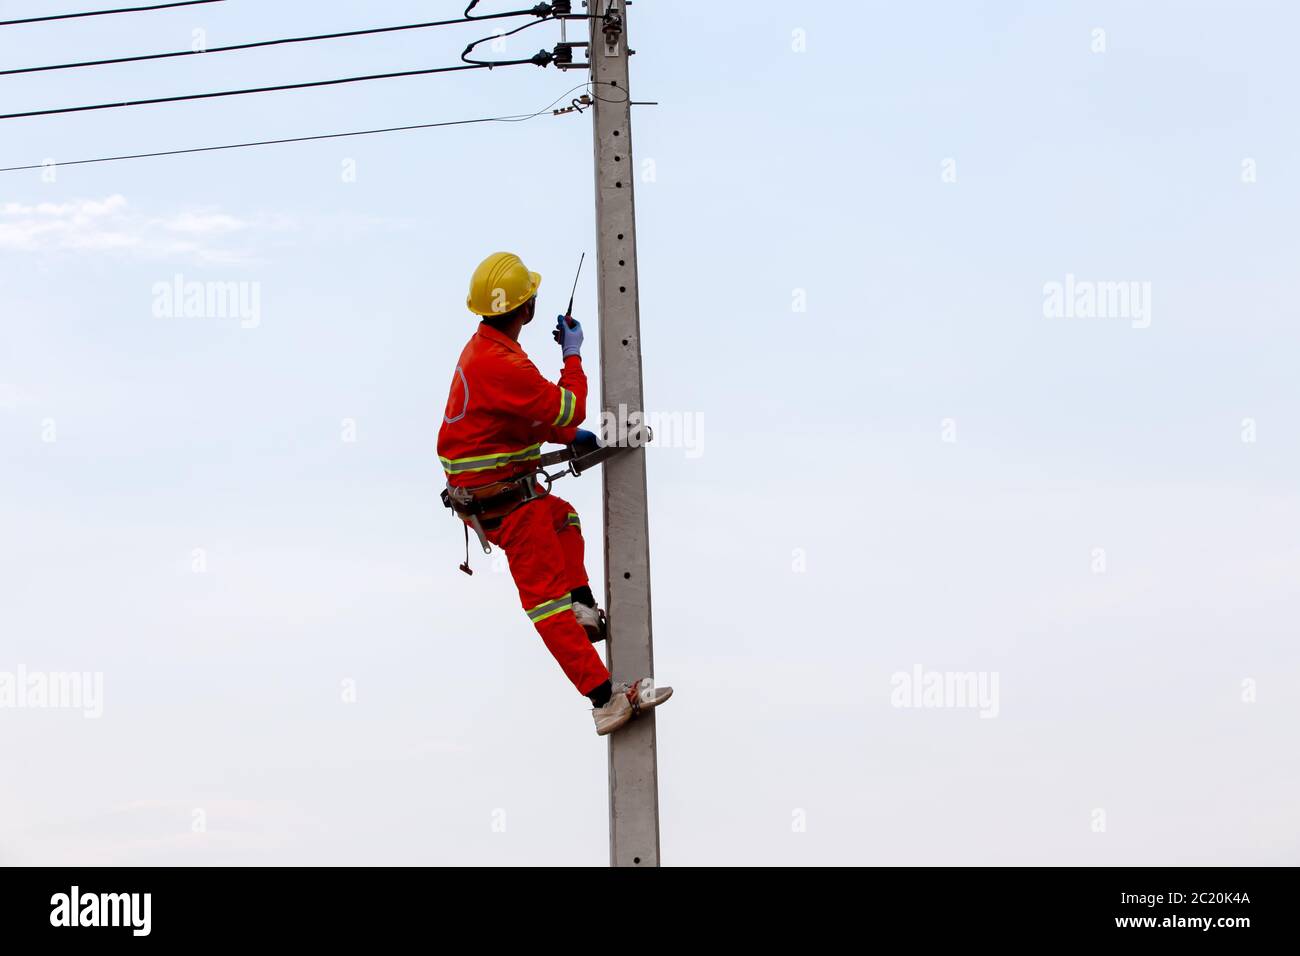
897 469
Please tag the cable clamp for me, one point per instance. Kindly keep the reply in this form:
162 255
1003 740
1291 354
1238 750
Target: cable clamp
576 105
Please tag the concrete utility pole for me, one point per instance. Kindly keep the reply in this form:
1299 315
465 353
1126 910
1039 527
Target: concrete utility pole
633 773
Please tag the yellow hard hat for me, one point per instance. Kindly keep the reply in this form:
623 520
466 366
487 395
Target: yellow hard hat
501 283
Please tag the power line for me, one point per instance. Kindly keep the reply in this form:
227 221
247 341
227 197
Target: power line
104 13
539 11
516 118
509 33
272 89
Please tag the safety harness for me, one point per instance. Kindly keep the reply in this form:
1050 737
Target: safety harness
483 507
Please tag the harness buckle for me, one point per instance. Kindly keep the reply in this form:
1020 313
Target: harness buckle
528 486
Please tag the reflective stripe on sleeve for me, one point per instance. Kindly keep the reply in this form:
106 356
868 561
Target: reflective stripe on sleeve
568 404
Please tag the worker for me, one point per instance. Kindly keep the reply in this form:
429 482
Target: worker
500 410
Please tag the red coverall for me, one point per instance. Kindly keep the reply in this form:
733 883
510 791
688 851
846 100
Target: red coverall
499 412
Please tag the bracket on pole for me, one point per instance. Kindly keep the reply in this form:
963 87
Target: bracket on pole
612 27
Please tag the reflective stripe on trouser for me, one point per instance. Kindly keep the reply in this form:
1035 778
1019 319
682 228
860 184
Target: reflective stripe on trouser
546 561
545 610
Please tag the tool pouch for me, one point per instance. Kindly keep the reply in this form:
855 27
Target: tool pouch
484 506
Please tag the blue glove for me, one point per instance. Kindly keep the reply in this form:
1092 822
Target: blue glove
568 332
585 441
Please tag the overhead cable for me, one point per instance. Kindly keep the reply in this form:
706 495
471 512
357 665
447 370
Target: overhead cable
104 13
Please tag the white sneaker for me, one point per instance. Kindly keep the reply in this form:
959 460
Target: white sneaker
592 619
628 701
616 712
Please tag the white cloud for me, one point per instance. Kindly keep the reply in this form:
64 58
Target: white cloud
111 225
202 223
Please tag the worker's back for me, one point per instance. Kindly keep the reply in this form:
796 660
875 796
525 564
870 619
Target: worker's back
499 411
